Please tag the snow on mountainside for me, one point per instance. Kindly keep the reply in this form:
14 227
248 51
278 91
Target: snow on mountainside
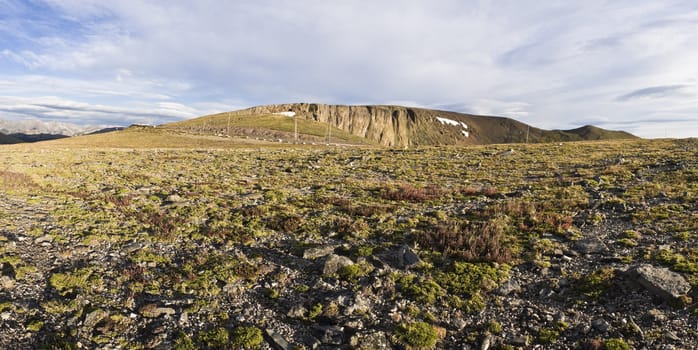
38 127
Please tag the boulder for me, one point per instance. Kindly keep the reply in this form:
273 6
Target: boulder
660 281
318 252
335 262
278 340
592 245
406 257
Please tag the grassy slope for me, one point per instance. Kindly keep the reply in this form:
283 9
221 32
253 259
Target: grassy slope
140 137
218 123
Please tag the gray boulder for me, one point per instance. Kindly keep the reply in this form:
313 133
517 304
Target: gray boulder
660 281
335 262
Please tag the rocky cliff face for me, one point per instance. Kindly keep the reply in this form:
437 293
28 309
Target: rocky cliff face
388 125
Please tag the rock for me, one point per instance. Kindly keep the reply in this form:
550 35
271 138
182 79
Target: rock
310 342
335 262
660 281
7 283
94 317
592 245
371 340
318 252
8 270
601 325
173 198
278 340
44 239
656 315
297 311
485 345
153 311
518 340
406 257
332 335
508 287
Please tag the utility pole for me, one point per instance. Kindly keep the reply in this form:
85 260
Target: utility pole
228 124
295 128
527 130
329 130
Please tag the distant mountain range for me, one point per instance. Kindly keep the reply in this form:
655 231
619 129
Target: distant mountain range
33 130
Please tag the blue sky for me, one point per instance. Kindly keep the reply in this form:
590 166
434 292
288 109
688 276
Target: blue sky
618 64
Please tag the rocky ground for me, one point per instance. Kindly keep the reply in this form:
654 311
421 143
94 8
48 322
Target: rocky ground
579 246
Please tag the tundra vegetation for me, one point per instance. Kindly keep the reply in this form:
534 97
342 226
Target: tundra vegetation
504 246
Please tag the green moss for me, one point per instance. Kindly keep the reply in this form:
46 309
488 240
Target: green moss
216 338
548 335
596 283
494 327
184 342
315 311
355 271
420 289
35 325
616 344
467 279
71 281
417 335
247 337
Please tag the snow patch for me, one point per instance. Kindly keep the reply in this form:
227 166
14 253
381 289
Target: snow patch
287 114
452 122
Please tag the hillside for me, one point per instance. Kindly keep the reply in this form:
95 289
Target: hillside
8 139
398 126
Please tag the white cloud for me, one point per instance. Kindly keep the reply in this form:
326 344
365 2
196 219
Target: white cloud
553 65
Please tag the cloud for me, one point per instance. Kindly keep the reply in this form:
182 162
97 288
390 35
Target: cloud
658 92
552 65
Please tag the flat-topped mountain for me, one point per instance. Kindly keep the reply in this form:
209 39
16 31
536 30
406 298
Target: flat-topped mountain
399 126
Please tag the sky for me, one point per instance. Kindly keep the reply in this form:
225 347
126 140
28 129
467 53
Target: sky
619 64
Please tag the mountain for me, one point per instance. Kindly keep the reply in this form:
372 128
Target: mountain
7 139
398 126
33 130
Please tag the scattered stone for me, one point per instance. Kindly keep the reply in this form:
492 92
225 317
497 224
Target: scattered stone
660 281
278 340
656 315
332 335
7 283
518 340
485 345
153 311
94 317
508 287
8 270
318 252
335 262
370 340
601 325
44 239
592 245
173 198
407 257
297 311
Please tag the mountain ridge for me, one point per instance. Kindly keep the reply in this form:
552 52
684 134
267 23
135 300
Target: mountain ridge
400 126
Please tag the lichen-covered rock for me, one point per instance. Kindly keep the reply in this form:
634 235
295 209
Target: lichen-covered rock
660 281
318 252
335 262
